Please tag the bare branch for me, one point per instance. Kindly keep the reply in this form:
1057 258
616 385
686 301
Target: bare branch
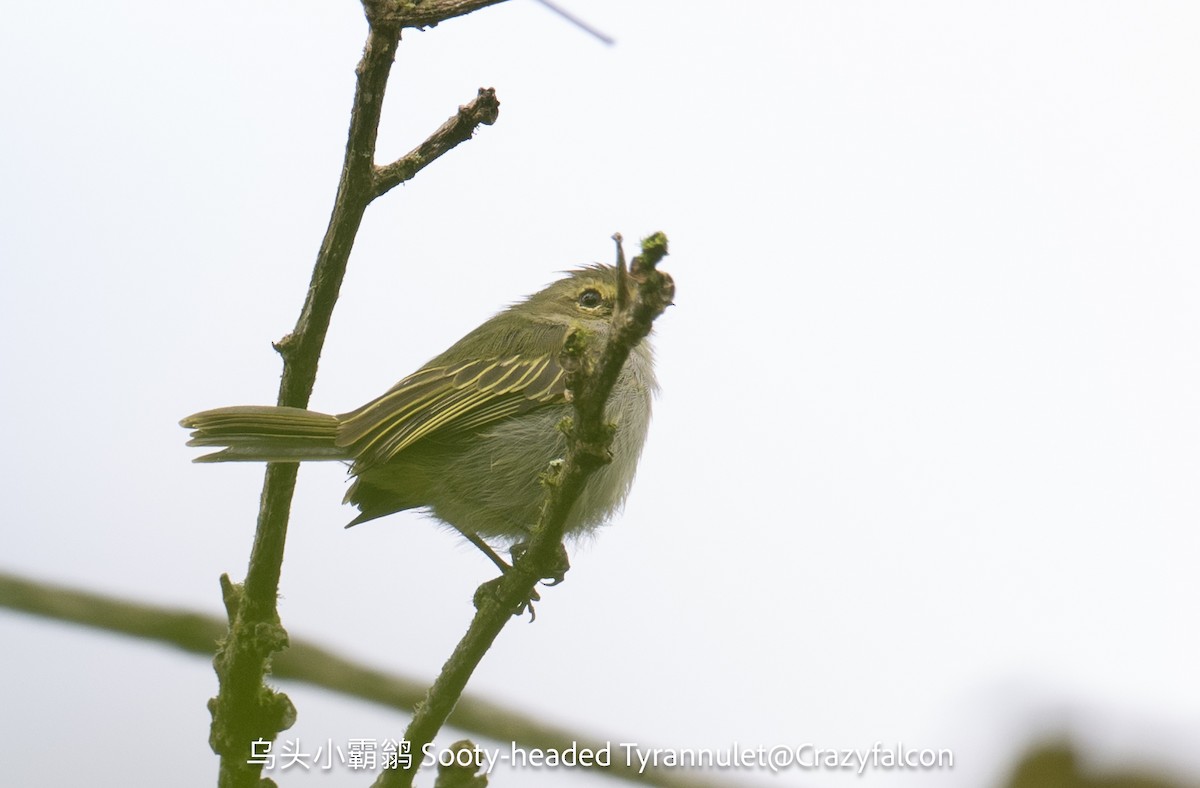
426 13
482 111
302 661
245 709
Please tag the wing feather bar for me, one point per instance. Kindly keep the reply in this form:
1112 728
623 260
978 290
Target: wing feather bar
528 370
462 396
396 438
549 385
471 374
396 406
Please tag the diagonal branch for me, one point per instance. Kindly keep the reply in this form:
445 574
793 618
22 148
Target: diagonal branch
406 13
482 111
245 709
591 374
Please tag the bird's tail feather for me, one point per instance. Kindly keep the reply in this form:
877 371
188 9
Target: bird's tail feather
253 433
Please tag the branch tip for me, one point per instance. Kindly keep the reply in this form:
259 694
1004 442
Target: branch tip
483 110
231 596
654 249
622 274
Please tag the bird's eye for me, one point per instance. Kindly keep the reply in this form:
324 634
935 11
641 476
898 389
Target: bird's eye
590 298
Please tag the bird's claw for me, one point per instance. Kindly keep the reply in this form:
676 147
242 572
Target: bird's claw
557 573
492 589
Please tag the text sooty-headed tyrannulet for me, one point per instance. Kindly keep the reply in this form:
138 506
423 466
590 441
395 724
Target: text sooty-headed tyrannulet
467 436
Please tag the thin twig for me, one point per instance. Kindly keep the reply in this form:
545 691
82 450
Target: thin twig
591 374
244 709
579 23
482 111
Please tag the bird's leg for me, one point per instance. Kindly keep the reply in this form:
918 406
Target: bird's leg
486 549
557 574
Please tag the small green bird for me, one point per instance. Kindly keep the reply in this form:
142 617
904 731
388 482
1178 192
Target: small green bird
467 436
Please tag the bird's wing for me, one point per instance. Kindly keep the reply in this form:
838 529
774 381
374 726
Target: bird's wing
451 397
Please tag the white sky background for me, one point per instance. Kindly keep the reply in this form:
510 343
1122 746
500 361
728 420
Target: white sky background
924 467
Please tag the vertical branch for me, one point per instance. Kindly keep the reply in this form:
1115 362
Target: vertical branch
245 710
301 349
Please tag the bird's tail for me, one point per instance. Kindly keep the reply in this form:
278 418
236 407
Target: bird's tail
252 433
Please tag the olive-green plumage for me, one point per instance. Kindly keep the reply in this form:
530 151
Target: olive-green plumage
467 436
